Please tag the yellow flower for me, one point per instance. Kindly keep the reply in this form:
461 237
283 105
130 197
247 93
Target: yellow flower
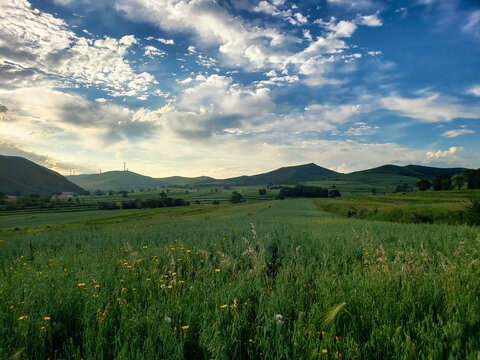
182 282
189 251
250 340
324 351
170 286
46 318
24 317
145 246
174 274
223 306
81 284
185 327
97 286
323 332
42 328
217 270
11 307
148 279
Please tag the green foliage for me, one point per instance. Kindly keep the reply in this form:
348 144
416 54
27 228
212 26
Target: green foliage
442 182
423 185
262 192
473 178
292 281
236 198
473 212
304 191
457 181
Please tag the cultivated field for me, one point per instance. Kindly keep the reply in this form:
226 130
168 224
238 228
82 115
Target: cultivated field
263 279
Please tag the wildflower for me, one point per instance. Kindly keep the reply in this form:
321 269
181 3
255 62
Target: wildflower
173 274
217 270
148 279
250 340
189 251
145 246
162 286
42 328
24 317
323 333
97 286
223 306
168 320
170 286
11 307
324 351
46 318
185 327
279 319
81 285
182 282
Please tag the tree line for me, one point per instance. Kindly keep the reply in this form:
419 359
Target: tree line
447 182
307 191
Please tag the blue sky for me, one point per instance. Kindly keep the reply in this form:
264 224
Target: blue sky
224 88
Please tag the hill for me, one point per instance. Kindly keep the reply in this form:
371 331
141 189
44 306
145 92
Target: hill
416 172
284 175
19 175
128 180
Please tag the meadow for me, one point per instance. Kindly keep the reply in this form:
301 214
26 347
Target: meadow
262 279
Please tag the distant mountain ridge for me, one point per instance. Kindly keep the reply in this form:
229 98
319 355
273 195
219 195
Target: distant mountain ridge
19 175
126 180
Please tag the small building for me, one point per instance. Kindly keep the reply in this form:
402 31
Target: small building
11 197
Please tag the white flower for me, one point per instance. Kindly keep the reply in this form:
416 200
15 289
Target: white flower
168 320
279 319
163 286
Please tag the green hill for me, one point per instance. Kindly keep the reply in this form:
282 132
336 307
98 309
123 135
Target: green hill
415 172
127 180
19 175
284 175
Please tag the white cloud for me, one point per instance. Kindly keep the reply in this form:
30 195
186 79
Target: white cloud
152 52
430 109
446 155
370 20
474 90
45 45
457 132
166 41
473 23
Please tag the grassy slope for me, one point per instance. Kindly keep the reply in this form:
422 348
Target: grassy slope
19 174
410 291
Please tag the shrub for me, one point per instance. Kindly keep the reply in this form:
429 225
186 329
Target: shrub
473 212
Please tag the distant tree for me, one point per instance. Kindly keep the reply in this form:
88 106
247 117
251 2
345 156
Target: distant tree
334 193
216 202
98 192
262 191
442 182
473 178
236 197
457 181
374 191
423 185
124 193
197 202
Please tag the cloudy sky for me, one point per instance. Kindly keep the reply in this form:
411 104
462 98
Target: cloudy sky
230 87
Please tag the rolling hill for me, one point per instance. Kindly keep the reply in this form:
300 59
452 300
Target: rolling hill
19 175
128 180
284 175
416 172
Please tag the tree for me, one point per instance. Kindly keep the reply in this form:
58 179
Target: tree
423 185
473 178
262 191
457 181
236 197
442 182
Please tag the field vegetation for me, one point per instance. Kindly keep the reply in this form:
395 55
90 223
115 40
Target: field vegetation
260 279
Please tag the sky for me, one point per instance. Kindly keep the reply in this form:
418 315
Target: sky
230 87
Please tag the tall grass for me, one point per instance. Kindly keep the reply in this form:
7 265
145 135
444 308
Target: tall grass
252 281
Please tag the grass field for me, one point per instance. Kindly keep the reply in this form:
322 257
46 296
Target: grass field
262 279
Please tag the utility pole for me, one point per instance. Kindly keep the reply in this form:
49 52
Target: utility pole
100 170
124 166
